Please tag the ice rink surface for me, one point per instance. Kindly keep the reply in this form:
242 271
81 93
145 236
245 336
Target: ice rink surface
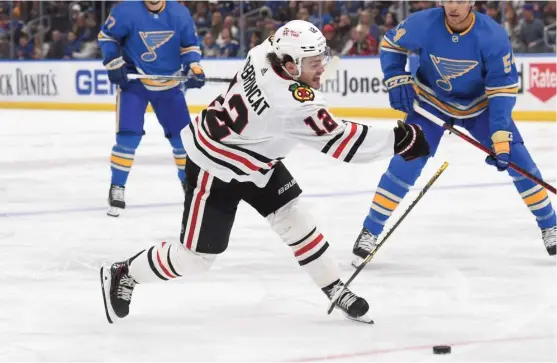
467 268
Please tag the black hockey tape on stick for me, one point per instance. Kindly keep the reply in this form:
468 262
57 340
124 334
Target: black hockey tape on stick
372 253
436 120
175 78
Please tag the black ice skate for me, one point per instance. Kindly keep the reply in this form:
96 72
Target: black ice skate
116 200
353 306
549 236
365 243
117 288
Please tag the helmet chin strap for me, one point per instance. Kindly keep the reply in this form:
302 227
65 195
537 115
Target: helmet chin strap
294 77
291 76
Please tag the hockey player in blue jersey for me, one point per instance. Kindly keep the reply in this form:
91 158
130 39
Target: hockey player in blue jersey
148 37
467 77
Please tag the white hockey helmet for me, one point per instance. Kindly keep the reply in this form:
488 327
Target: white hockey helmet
300 39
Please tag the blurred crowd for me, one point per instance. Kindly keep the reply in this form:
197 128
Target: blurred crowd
68 30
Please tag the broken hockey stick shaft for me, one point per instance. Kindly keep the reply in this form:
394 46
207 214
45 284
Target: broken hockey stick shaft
155 77
436 120
389 233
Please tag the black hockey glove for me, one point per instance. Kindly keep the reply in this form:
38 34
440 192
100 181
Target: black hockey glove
410 141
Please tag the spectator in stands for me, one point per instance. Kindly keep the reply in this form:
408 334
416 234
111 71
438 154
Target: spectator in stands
512 27
38 46
343 28
531 31
229 23
209 47
351 8
80 29
4 46
492 10
269 27
200 17
75 12
4 22
73 45
313 10
57 47
390 23
255 39
368 22
286 14
59 15
363 43
333 40
303 14
216 24
350 42
548 13
213 7
375 13
229 47
24 49
329 12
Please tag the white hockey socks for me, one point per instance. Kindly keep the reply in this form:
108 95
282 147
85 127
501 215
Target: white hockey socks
308 244
167 261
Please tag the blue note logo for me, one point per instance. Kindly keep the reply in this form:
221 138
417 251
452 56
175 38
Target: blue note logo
450 69
152 41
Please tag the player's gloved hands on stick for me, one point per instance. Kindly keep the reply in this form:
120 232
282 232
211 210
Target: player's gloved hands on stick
410 141
502 148
117 73
195 74
401 92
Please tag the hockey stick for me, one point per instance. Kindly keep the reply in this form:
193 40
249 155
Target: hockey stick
329 73
436 120
372 253
175 78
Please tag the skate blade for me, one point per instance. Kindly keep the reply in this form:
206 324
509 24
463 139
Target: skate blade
365 319
105 288
113 212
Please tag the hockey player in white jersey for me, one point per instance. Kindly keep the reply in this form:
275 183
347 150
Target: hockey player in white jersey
234 150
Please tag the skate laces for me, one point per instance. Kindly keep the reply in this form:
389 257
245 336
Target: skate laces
117 193
125 288
549 236
347 299
367 241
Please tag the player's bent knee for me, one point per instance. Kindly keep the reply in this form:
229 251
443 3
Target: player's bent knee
406 172
128 139
176 142
291 222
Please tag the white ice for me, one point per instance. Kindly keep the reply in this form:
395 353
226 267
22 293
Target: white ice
467 267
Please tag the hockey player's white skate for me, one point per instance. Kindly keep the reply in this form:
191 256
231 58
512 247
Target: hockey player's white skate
116 200
365 243
117 288
354 307
549 236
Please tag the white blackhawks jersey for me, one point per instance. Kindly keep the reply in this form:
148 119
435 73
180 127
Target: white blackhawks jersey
242 134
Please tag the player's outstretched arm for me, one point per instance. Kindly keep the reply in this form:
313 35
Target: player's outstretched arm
352 142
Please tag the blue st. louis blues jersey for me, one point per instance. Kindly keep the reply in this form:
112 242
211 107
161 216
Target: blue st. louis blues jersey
155 43
460 74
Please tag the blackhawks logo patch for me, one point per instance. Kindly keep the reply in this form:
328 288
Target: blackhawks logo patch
301 92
